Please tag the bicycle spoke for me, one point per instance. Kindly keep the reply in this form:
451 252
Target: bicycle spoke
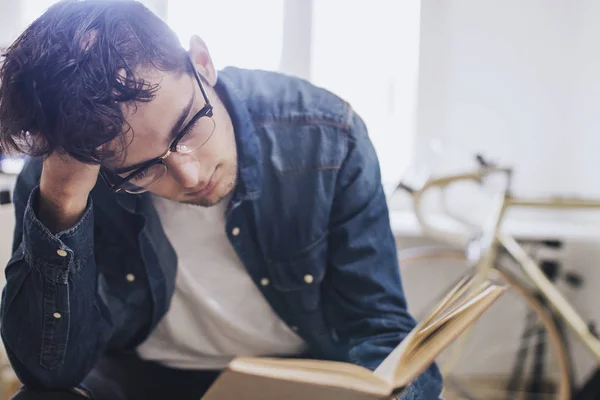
519 363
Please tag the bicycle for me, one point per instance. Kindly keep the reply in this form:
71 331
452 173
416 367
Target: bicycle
541 366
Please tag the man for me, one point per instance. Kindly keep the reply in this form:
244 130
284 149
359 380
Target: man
238 213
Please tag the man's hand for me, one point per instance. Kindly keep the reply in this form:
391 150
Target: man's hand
64 188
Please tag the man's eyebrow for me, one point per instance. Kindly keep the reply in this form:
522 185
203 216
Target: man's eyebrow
175 130
182 117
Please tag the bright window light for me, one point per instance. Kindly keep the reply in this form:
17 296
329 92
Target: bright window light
245 34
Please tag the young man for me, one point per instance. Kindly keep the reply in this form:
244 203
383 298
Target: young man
173 218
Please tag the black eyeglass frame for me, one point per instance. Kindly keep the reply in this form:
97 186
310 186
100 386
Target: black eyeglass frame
115 182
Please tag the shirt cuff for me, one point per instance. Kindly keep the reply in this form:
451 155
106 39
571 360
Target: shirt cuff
55 255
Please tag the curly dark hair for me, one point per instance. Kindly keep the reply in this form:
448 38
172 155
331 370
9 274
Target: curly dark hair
63 80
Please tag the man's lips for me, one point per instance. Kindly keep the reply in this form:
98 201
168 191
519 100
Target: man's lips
207 188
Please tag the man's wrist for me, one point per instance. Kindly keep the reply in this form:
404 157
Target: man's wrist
59 212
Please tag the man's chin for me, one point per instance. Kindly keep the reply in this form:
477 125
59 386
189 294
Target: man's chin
204 202
217 195
211 201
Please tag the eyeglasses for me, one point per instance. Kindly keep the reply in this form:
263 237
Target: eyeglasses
193 136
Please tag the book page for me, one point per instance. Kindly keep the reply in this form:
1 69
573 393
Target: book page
259 386
454 295
324 372
477 297
387 369
431 341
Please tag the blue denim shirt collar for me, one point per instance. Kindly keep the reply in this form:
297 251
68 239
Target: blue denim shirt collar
250 168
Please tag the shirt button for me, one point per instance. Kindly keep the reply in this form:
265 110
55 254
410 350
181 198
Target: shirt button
61 252
308 279
130 277
235 231
264 282
57 315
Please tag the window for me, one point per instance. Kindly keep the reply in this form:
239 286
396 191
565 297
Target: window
246 34
28 10
31 9
368 54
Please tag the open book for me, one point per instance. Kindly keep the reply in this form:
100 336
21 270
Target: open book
259 378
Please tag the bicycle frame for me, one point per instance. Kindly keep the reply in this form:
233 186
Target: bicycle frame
496 239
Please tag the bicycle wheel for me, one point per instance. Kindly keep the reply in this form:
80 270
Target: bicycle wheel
515 350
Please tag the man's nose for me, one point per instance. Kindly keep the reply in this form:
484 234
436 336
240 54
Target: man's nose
186 171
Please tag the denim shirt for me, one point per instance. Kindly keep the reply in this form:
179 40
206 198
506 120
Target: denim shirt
308 213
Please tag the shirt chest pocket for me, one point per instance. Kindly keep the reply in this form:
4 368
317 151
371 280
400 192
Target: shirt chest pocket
119 272
298 278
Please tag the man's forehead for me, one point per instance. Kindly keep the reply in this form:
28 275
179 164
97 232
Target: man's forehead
164 84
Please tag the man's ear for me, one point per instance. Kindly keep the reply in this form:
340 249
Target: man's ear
201 58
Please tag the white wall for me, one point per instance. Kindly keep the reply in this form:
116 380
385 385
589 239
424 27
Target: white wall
15 15
7 223
10 25
518 80
584 115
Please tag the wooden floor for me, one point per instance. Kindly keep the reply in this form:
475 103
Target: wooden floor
9 384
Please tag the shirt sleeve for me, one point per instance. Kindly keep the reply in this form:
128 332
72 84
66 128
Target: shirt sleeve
367 307
53 323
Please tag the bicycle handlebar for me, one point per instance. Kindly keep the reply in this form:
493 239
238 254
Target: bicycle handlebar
485 168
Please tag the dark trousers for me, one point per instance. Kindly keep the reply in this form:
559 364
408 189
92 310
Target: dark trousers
124 376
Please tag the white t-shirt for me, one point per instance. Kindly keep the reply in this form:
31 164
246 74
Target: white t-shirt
216 312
